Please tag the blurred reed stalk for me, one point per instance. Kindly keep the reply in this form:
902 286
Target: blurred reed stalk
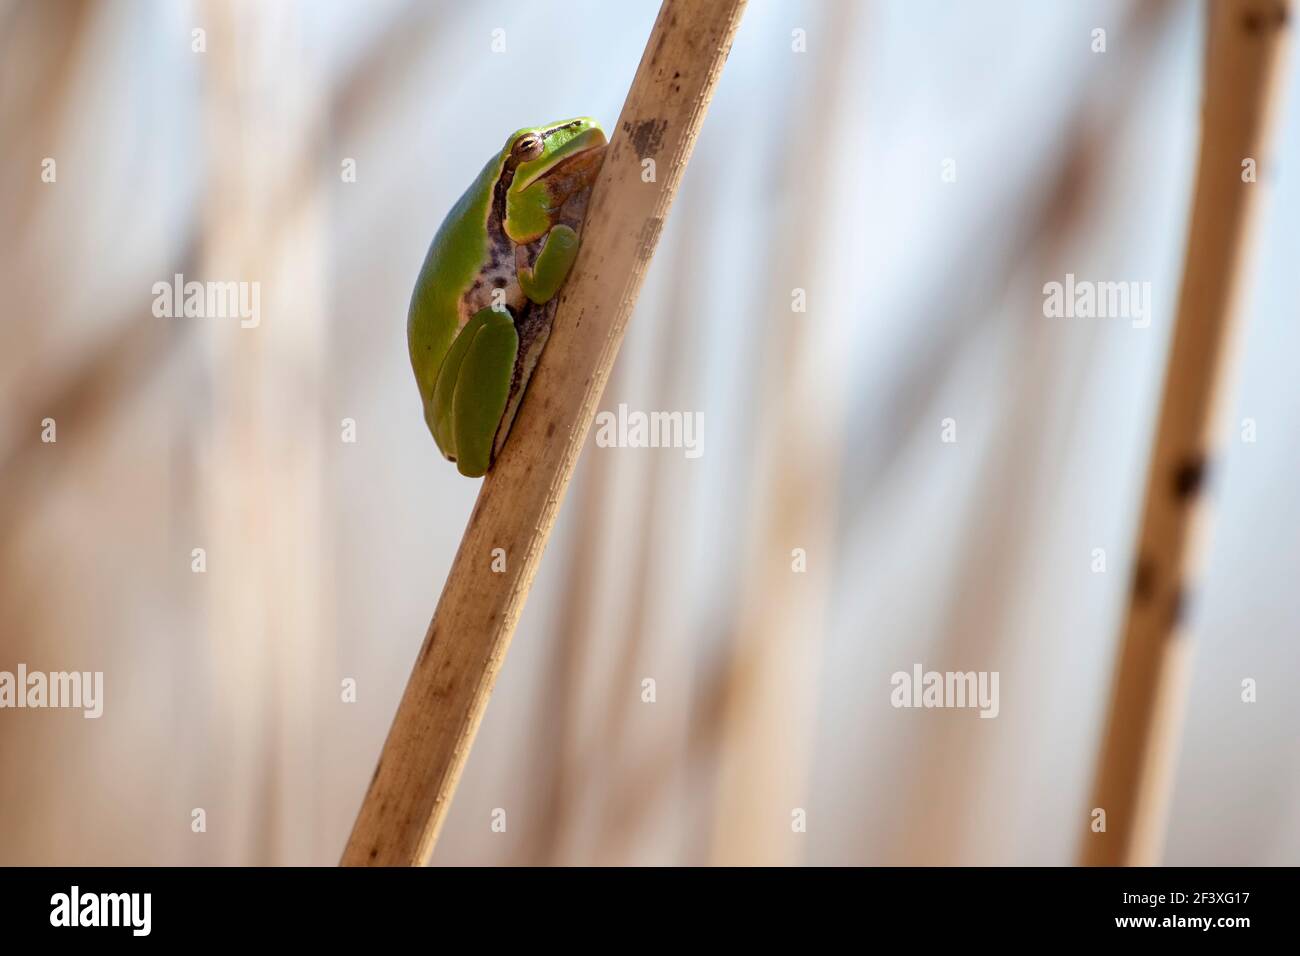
261 491
1244 69
428 743
1047 380
769 700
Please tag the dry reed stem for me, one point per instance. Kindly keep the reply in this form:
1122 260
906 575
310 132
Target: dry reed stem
1242 78
778 636
429 741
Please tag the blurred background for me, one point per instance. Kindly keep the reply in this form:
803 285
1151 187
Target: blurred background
315 147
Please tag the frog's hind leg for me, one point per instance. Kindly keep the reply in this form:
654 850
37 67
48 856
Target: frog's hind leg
437 411
481 380
482 388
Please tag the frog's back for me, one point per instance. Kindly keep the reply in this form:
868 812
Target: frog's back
450 267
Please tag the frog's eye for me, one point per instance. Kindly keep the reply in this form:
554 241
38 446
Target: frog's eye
527 147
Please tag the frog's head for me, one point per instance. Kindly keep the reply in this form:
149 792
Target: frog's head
550 164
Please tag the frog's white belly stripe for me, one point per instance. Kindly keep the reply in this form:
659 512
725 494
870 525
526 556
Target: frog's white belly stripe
500 274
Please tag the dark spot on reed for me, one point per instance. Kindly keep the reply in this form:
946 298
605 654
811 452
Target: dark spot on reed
1257 22
1189 476
1144 579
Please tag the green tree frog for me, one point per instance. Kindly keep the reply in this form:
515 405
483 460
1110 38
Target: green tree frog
485 298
